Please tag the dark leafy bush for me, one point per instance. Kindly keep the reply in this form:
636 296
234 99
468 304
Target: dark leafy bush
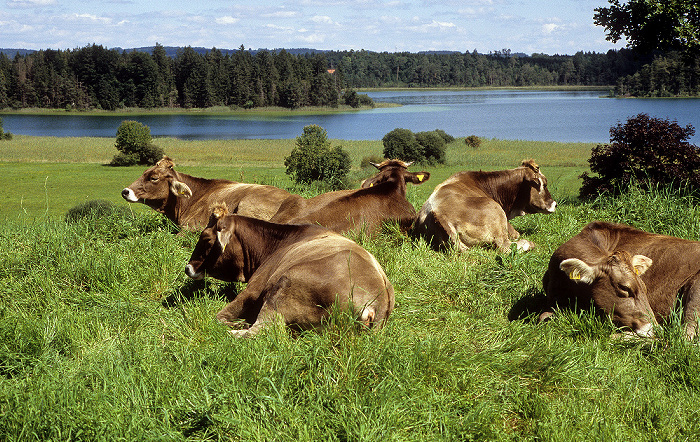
313 159
434 147
4 135
134 143
644 150
444 135
402 144
473 141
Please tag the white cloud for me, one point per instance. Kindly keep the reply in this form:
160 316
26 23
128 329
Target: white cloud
30 3
323 19
91 18
548 28
281 14
227 20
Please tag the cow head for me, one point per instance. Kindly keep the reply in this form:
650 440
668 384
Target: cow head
395 171
616 288
210 254
156 185
538 199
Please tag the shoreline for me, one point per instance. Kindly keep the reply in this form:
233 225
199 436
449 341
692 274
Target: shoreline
280 111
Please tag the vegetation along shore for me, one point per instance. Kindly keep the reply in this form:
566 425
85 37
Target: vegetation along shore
102 336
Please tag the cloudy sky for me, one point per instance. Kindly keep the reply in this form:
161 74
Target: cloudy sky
544 26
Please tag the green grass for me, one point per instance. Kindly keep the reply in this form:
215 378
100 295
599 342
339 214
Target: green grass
102 337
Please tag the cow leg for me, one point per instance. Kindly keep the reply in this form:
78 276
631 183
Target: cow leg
691 308
273 302
245 307
512 233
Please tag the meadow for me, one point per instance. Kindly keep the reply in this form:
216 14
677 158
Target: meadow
103 337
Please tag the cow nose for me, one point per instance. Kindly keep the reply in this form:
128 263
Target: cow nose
189 271
129 195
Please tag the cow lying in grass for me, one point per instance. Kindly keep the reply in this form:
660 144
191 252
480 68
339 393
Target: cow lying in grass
381 198
473 208
296 274
187 200
634 276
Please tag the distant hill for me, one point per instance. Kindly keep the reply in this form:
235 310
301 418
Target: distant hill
10 53
172 51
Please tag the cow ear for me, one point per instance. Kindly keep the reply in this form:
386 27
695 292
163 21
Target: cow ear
223 237
180 189
536 182
641 264
419 177
578 271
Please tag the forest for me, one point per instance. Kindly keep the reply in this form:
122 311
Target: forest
95 77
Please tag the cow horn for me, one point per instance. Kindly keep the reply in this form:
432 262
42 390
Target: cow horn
220 210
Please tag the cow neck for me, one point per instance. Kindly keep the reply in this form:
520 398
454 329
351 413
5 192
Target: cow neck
395 185
260 239
198 186
503 186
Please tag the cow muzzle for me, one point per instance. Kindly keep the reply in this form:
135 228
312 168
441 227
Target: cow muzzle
129 195
190 271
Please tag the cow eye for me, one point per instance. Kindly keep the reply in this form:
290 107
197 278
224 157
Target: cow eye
625 291
153 179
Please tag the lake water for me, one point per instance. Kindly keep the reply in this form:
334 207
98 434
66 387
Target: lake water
564 116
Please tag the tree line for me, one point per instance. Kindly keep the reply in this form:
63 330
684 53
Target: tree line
95 77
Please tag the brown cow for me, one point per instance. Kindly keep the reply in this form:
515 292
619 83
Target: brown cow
382 198
295 273
473 207
187 200
610 266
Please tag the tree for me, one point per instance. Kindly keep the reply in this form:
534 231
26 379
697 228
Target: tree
433 146
652 24
402 144
135 145
645 150
313 159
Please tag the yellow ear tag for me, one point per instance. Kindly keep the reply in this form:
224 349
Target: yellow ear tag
636 270
420 177
371 184
575 275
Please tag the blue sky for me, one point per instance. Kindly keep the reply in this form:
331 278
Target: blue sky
550 27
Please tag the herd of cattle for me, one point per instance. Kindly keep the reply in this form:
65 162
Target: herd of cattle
298 266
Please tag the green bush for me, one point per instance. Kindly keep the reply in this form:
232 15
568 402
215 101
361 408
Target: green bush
313 159
402 144
444 135
4 135
473 141
135 145
644 150
434 147
422 147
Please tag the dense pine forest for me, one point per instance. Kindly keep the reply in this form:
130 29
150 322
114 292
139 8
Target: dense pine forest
94 77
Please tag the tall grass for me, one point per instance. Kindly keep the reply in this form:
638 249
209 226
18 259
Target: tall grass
102 337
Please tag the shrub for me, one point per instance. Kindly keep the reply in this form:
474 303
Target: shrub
4 135
313 159
135 145
473 141
647 151
434 147
402 144
445 136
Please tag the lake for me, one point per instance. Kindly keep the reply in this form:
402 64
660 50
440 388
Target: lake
566 116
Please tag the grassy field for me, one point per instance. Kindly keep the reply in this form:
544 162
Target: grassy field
102 336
